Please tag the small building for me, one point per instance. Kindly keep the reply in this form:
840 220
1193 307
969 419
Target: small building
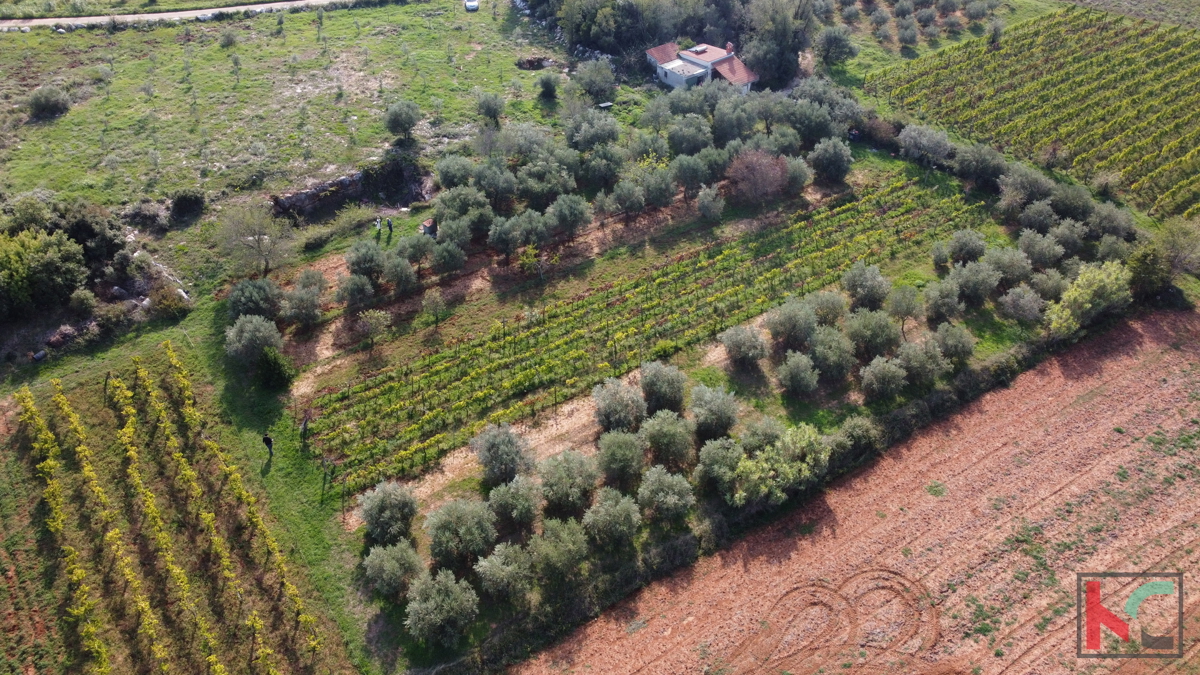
697 65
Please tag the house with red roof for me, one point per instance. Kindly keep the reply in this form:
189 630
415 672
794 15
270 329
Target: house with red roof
696 65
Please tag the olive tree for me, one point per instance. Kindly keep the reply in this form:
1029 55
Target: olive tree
1042 250
797 375
618 406
828 306
460 532
941 300
902 304
966 246
1049 285
1022 303
568 480
388 511
249 336
440 608
830 160
255 239
621 457
662 387
507 574
503 454
714 410
832 353
792 324
390 569
717 468
882 379
613 520
872 332
665 496
401 117
956 342
976 281
923 362
866 285
670 438
1012 264
744 346
517 502
260 297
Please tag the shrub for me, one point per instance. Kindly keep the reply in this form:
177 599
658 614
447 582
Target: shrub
714 410
828 306
259 297
662 387
833 44
719 459
830 160
401 117
670 438
596 78
966 246
923 362
502 453
246 339
1049 285
228 38
489 105
168 302
1112 248
454 170
761 434
517 502
797 375
83 302
613 520
792 324
558 553
925 145
1038 216
866 286
440 609
798 174
618 406
506 574
448 257
710 204
1042 250
1097 291
756 177
390 569
621 457
1012 264
798 460
832 353
275 371
872 332
1149 270
882 379
568 480
1107 218
1022 304
976 281
1072 201
187 203
354 290
47 102
460 532
956 342
941 300
548 85
388 511
666 496
744 346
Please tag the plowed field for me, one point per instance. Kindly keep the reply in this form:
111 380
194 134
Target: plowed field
957 551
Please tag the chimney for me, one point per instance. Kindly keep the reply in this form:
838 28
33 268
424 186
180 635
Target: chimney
729 47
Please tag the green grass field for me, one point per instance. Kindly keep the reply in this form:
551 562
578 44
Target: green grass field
168 107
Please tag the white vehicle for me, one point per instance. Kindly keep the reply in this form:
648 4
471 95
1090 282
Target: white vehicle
471 5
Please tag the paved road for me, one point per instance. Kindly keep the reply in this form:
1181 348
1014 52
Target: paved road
159 16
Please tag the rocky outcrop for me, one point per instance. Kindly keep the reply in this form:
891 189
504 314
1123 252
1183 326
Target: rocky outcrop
396 178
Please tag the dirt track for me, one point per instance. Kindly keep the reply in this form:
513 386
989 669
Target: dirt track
1048 477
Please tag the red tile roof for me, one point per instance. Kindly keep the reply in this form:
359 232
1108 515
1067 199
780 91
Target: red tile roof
736 72
664 53
709 54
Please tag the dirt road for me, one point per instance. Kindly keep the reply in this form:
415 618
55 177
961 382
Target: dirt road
955 553
158 16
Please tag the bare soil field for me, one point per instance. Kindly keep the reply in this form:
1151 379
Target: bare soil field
956 552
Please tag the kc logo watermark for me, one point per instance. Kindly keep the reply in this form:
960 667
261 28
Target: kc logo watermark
1129 615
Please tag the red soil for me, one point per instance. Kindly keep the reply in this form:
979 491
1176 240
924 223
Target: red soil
880 575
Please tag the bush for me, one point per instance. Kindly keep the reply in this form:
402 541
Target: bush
47 102
832 353
167 301
882 379
792 324
830 160
517 502
866 286
1012 264
246 339
757 177
558 553
925 145
828 306
448 257
710 204
662 387
976 281
1022 303
503 454
259 297
82 303
833 44
388 511
275 371
1112 248
1109 219
440 609
1038 216
618 406
956 342
1097 291
596 78
666 496
613 520
1149 270
506 574
966 246
187 203
670 439
390 569
1043 251
744 346
1049 285
719 459
941 300
460 532
797 375
489 105
923 362
548 85
714 410
453 171
621 457
401 117
568 480
872 332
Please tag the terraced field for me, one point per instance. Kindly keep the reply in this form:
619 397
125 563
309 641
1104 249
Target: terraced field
1089 91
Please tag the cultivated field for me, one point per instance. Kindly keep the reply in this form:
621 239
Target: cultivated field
955 552
1090 92
1182 12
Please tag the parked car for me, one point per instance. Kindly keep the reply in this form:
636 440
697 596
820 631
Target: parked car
471 5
